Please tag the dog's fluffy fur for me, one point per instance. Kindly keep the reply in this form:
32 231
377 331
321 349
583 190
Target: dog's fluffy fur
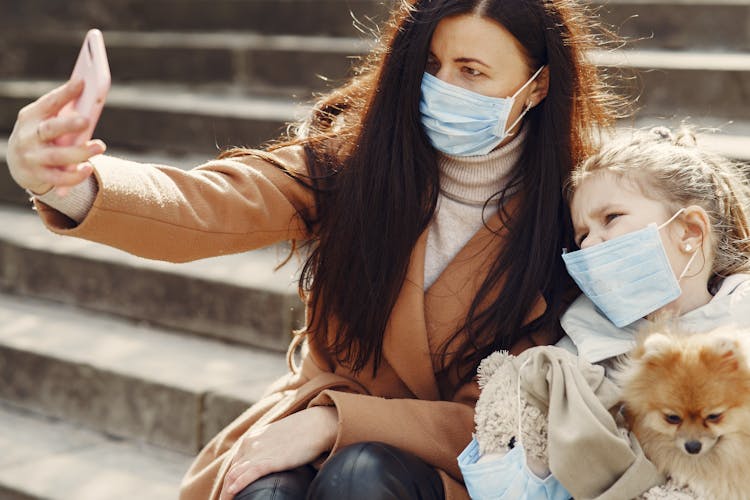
687 399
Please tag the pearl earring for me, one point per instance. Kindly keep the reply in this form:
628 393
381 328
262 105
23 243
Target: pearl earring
688 247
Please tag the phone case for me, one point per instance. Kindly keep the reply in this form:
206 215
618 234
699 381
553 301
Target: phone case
93 68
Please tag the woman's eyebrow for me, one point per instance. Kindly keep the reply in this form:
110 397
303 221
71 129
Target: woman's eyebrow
471 59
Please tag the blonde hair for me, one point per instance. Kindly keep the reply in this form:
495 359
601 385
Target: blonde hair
672 168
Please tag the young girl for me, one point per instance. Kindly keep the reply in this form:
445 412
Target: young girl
663 229
430 192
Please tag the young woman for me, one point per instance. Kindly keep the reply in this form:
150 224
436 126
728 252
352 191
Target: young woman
429 192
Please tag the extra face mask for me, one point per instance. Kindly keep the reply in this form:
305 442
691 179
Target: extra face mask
460 122
629 276
507 477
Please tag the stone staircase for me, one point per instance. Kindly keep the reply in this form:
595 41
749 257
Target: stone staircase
116 370
689 60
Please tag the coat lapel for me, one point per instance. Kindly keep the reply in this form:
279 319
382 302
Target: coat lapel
405 343
448 300
421 322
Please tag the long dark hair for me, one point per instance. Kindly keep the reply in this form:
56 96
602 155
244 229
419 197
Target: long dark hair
376 184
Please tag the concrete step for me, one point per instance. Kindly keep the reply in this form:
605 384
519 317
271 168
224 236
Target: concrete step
674 24
690 84
239 298
713 25
174 118
272 64
126 379
44 458
302 17
182 118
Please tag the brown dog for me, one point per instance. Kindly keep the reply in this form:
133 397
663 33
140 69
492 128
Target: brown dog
687 399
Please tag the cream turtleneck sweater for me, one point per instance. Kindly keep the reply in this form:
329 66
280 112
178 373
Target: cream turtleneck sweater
466 183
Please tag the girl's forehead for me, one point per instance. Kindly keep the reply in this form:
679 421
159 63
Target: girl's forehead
602 182
605 187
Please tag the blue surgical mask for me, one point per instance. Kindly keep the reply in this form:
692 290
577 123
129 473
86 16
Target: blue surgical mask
506 478
460 122
629 276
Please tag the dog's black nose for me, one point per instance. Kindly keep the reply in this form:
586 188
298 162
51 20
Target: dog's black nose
693 447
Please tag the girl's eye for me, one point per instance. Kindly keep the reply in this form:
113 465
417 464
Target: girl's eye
673 419
580 239
714 417
610 217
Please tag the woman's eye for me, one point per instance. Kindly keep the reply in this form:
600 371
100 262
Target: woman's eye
673 419
580 239
432 66
471 71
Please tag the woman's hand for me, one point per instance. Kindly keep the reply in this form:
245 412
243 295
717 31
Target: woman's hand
285 444
34 161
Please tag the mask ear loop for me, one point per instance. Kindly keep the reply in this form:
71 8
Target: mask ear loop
671 218
526 108
687 266
695 253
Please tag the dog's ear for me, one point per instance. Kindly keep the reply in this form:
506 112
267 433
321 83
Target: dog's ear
655 346
722 352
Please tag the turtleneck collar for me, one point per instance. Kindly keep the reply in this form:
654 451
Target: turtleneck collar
472 180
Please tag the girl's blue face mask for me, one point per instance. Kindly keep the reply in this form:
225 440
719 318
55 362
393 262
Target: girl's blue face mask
460 122
629 276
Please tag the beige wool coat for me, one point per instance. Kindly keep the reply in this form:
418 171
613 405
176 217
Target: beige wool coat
233 205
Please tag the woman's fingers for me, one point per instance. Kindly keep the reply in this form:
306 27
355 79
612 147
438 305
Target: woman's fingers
61 157
50 129
53 101
34 162
66 178
241 475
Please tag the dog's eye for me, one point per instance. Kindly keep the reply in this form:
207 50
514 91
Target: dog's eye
714 417
673 419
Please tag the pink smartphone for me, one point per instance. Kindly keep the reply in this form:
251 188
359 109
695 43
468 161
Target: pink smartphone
93 68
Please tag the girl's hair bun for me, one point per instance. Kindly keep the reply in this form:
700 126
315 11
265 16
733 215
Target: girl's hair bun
662 134
684 136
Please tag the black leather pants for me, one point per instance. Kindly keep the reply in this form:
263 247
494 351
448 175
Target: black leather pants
363 471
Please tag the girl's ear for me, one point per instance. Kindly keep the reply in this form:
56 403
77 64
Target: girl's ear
696 227
540 88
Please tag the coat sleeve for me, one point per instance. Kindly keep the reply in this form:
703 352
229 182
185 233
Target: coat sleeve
435 431
221 207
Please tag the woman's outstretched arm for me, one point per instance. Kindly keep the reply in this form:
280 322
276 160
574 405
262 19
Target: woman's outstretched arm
160 212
